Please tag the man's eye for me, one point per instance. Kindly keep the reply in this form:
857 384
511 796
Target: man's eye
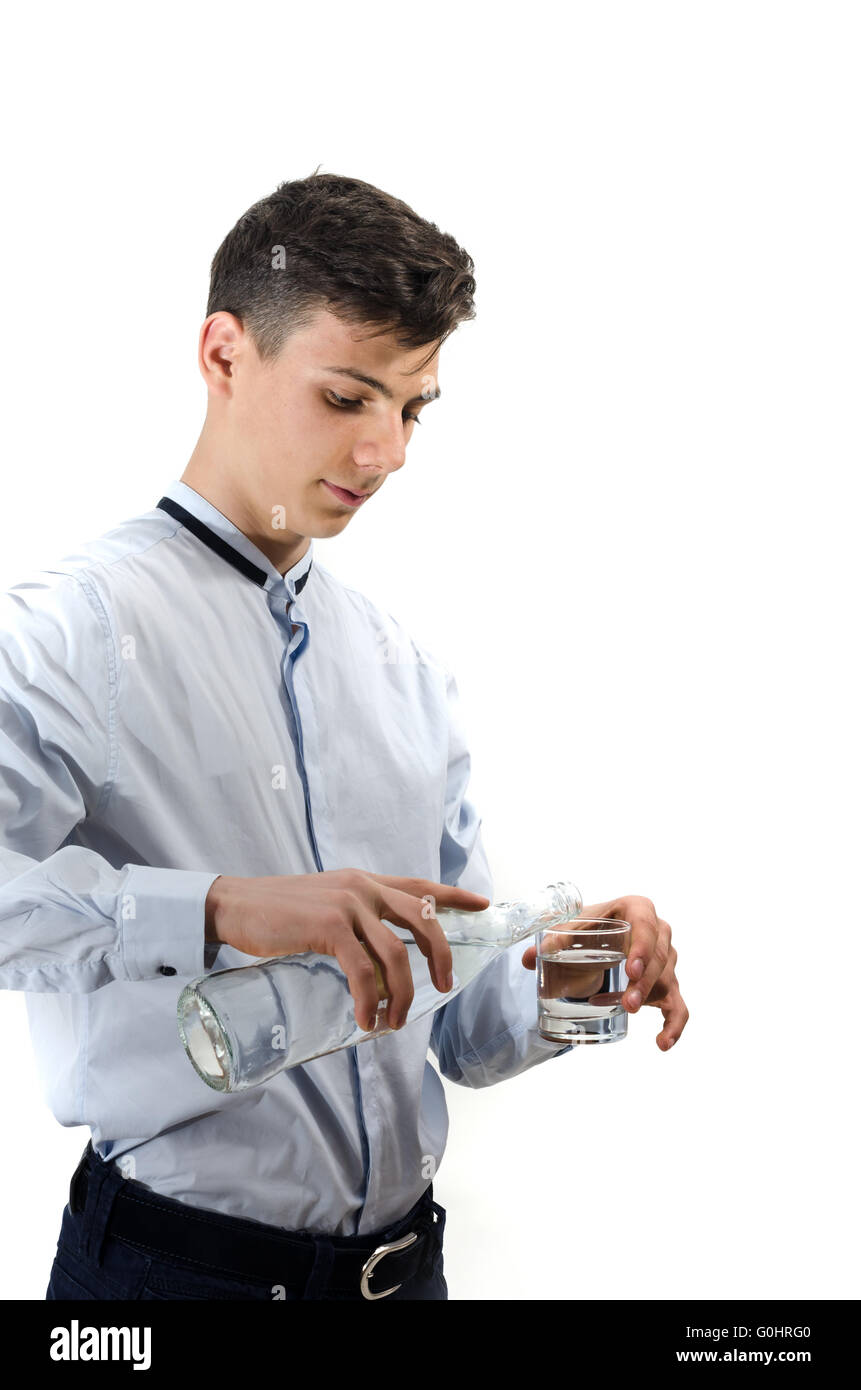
348 403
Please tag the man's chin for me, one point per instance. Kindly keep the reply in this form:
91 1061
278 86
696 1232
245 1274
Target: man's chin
325 526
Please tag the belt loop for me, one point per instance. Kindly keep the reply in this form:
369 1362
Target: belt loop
435 1236
103 1183
324 1258
74 1201
439 1225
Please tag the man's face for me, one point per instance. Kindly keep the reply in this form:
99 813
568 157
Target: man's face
304 435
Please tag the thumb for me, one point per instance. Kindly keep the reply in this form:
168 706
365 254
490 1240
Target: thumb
528 957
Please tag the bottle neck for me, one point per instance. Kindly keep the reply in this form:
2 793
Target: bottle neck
502 924
552 907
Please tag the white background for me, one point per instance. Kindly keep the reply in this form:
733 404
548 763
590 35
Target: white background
630 527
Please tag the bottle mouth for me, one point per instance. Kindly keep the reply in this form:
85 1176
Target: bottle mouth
205 1041
564 903
555 905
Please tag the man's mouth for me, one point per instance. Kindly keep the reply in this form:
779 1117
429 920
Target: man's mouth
343 494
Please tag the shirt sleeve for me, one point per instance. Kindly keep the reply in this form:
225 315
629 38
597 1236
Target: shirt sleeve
489 1032
70 922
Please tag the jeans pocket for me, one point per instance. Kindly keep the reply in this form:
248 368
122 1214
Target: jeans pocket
166 1281
64 1286
120 1276
71 1278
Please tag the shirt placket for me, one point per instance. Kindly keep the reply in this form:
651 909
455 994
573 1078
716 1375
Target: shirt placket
297 640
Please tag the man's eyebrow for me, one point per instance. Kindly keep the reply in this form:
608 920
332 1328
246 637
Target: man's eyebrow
380 385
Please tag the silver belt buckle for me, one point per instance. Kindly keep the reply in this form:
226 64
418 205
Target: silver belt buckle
373 1260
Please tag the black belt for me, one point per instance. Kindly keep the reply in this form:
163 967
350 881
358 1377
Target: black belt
159 1225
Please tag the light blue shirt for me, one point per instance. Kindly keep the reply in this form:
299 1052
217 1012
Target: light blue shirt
171 709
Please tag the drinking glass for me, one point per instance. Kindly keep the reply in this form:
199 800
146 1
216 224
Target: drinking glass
581 980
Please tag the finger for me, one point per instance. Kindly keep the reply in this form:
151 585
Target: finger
676 1015
382 987
600 909
659 966
640 912
358 967
394 960
530 957
415 915
423 896
667 982
445 894
553 941
650 942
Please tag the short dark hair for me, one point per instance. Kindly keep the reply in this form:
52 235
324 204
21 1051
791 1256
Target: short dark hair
347 247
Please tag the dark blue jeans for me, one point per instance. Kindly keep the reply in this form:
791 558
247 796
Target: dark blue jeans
93 1262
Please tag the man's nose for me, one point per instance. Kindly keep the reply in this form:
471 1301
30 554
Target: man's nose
381 453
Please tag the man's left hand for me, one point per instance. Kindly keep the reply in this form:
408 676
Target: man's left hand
651 964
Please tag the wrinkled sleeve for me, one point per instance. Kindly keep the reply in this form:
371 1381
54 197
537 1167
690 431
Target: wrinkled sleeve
69 921
489 1031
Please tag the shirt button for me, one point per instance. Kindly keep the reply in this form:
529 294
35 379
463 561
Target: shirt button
166 970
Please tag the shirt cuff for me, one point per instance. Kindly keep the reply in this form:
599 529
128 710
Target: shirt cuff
549 1048
162 921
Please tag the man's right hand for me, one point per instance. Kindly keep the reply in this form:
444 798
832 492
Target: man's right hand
334 913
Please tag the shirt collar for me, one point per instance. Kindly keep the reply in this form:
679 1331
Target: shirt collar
214 529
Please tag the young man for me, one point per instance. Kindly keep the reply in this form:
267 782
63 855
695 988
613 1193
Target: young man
206 758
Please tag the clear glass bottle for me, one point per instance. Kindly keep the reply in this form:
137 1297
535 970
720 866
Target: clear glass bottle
239 1027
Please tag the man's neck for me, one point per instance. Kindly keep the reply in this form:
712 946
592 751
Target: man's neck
283 550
